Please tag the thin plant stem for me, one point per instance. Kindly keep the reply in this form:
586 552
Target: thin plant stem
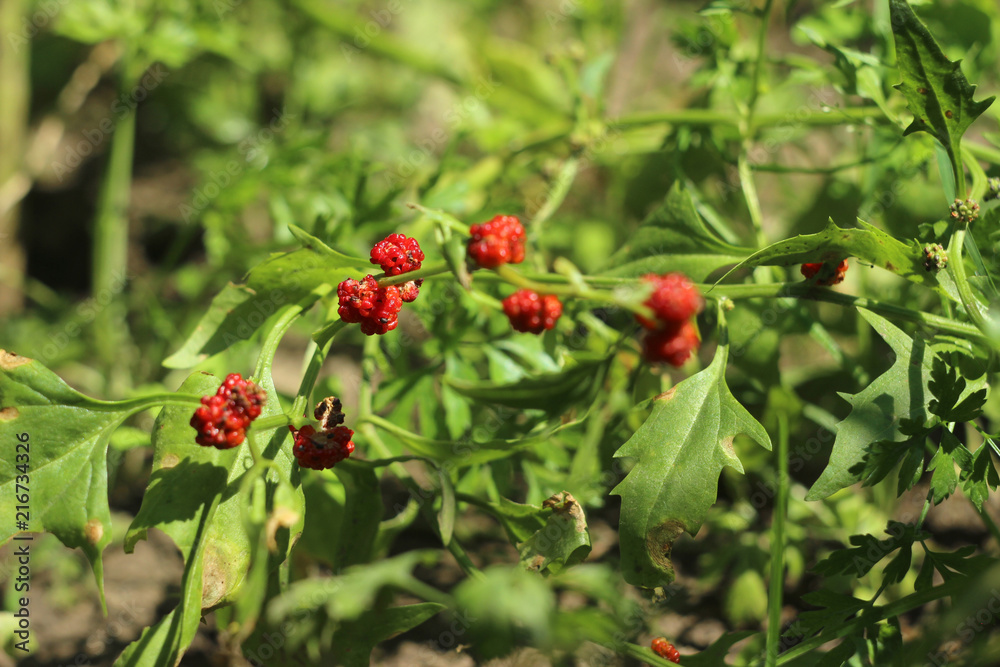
956 265
110 249
776 587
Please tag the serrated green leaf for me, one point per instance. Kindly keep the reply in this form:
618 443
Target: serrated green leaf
945 480
66 455
674 238
937 93
981 477
868 243
681 450
900 393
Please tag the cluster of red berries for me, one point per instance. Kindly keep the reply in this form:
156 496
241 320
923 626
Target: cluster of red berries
397 254
497 241
666 650
327 447
364 302
376 307
531 312
827 272
222 419
672 336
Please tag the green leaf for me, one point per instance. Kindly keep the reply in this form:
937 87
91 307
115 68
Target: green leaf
833 243
945 480
674 238
948 388
981 477
187 476
937 93
163 644
876 411
868 550
355 532
354 641
349 595
681 450
546 391
836 608
564 539
446 516
235 314
65 458
194 497
507 607
298 272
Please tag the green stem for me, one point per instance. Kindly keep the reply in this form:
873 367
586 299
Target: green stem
564 180
399 431
148 401
805 291
765 21
426 271
110 249
287 317
749 189
274 421
712 117
309 378
774 596
956 266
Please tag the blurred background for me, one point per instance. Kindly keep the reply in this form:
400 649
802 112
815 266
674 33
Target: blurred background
152 151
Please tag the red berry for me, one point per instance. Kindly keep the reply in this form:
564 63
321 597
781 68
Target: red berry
223 419
829 274
397 254
497 241
666 650
375 308
674 299
320 451
673 344
530 312
409 291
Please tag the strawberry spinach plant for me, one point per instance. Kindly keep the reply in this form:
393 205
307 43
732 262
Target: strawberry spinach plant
517 418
